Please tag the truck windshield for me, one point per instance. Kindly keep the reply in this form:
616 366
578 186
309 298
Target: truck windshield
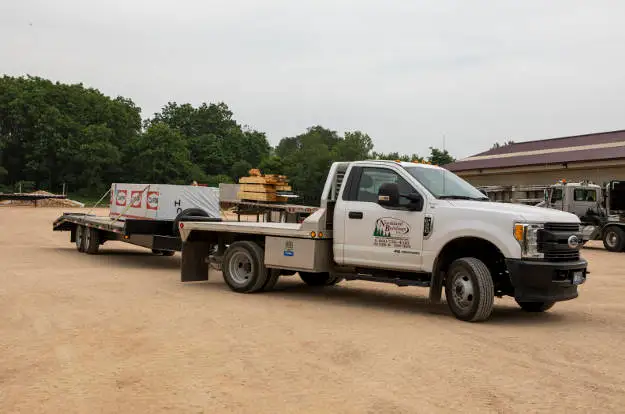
445 184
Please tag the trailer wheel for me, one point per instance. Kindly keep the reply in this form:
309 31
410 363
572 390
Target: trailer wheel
319 279
244 268
163 252
535 306
92 240
614 239
188 212
80 238
469 290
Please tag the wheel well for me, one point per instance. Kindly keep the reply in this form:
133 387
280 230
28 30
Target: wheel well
481 249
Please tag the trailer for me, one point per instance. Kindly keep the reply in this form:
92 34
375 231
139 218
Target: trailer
147 215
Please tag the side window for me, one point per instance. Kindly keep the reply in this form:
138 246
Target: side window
372 178
582 194
556 195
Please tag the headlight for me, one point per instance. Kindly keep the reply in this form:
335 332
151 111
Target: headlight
527 236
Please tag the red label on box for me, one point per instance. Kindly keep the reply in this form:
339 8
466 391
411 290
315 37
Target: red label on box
152 201
121 197
135 199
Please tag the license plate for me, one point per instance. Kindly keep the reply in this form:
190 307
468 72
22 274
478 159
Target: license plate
578 278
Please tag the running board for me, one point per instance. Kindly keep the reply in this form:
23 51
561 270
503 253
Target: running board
383 279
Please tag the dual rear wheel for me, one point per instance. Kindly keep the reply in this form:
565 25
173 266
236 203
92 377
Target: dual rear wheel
87 239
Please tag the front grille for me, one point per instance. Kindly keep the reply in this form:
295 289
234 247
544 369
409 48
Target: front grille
572 227
562 256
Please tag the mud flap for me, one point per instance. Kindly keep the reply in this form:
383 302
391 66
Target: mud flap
193 266
436 288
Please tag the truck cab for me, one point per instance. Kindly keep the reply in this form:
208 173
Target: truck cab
412 225
600 209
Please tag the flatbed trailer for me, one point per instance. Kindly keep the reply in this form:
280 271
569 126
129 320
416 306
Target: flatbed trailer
89 232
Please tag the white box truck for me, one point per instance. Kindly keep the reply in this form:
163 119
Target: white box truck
403 223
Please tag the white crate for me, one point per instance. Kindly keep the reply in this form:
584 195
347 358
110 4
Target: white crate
161 201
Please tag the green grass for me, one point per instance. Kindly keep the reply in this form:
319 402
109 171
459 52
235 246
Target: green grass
89 201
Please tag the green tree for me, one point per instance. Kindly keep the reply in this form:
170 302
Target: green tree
440 157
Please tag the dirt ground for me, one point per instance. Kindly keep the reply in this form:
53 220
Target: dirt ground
119 332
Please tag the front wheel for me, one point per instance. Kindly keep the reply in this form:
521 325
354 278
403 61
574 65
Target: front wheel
614 239
469 290
535 306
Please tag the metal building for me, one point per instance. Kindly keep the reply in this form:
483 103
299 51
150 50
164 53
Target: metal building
597 157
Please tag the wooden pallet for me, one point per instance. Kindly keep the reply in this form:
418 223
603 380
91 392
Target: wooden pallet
269 197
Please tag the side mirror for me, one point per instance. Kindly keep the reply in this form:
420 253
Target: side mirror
388 195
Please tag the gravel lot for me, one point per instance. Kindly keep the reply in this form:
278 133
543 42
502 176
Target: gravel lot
118 332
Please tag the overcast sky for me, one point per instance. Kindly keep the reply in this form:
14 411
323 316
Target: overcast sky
405 72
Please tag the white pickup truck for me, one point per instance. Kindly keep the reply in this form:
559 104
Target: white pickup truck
404 223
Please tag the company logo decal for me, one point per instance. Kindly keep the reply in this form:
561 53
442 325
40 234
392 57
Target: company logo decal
135 199
152 200
121 197
573 242
391 232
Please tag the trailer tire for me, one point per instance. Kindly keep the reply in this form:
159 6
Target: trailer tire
614 239
535 306
244 268
319 279
469 290
164 252
188 212
92 240
80 238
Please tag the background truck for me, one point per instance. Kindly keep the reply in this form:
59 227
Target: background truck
601 209
403 223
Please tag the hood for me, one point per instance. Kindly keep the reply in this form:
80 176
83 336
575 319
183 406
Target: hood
520 212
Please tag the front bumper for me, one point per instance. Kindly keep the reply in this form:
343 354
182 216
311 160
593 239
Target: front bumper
539 281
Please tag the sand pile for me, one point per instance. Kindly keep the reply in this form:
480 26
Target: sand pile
47 202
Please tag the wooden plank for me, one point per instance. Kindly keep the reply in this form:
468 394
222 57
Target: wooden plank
258 188
260 197
283 187
257 180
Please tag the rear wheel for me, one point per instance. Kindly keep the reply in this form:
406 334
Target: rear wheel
80 238
614 239
244 268
319 279
536 306
92 240
469 290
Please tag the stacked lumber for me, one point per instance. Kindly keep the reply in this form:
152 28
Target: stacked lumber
263 187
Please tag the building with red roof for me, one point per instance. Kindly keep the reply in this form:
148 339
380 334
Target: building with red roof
598 157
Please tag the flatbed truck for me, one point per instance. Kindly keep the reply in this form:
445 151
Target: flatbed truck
404 223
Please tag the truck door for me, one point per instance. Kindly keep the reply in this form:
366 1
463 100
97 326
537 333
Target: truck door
584 199
377 236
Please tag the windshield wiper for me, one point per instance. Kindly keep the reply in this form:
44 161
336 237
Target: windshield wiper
461 197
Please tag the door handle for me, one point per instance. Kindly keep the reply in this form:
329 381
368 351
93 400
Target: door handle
355 215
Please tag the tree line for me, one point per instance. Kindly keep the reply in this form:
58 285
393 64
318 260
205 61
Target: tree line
54 135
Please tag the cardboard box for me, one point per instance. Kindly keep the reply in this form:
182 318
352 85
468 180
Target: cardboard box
161 201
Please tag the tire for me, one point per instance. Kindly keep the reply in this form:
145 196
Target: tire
164 252
187 212
535 306
80 238
469 290
92 240
244 268
614 239
319 279
274 276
